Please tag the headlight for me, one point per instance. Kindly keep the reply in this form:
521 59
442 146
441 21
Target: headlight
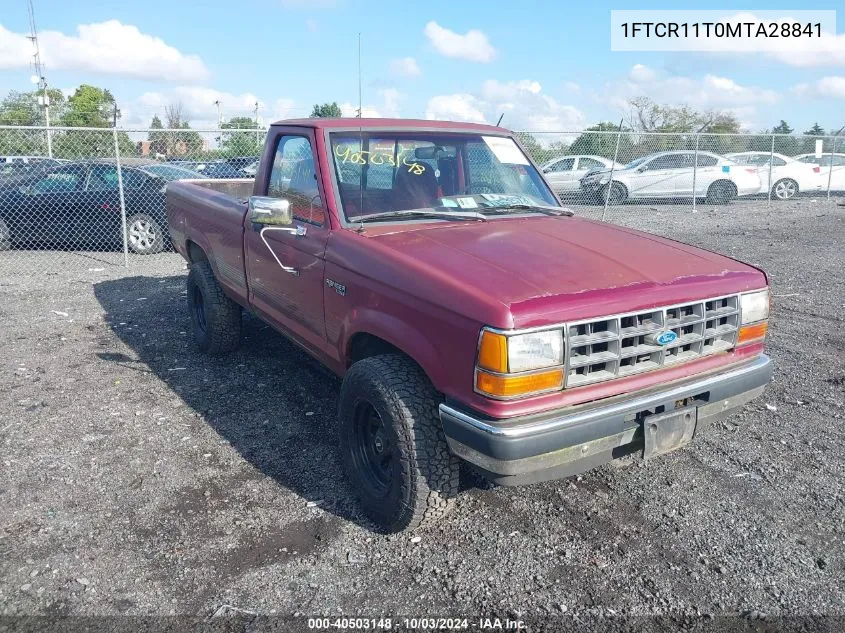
754 313
755 306
517 365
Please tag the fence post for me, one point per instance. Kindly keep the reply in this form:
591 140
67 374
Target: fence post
122 200
612 167
695 172
771 160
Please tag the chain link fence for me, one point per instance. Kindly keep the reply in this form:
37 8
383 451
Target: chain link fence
92 199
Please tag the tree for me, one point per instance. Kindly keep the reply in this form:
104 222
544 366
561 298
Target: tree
782 128
816 130
158 140
89 106
241 143
23 109
600 140
326 110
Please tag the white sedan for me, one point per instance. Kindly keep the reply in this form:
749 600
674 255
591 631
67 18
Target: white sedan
564 173
831 166
788 176
676 174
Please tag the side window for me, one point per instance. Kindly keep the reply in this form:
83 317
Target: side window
705 160
565 164
294 177
61 180
777 161
589 163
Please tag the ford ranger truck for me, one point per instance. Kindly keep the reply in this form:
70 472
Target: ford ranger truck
471 317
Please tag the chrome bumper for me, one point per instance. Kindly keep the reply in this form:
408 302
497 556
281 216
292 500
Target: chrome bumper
564 442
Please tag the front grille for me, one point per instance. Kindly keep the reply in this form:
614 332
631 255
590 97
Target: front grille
625 344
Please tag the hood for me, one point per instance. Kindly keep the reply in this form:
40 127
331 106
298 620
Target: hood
552 269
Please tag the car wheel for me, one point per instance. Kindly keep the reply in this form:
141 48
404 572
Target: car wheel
144 235
721 192
785 189
5 237
617 194
392 444
216 319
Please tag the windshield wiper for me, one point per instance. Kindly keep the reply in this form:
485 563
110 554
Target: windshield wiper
445 215
529 207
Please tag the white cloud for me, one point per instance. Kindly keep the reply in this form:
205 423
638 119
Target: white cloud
703 93
109 47
825 88
571 87
198 105
803 52
405 67
523 103
472 45
389 107
639 72
455 107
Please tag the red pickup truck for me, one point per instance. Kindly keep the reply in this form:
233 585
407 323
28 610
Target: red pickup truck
470 315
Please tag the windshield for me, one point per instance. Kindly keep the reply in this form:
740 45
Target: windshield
384 172
169 172
636 163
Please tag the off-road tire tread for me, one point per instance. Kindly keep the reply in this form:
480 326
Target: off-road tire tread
413 405
222 315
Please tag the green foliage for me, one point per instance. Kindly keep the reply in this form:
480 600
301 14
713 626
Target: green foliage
89 106
816 130
22 108
241 143
158 140
782 128
326 110
599 140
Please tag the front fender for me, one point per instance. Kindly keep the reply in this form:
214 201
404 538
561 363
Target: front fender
398 333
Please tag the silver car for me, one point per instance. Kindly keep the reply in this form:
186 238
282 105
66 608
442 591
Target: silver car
564 173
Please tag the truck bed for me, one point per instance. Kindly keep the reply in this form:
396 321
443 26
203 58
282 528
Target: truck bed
212 211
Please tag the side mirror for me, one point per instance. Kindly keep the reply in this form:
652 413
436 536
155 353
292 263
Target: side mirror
269 211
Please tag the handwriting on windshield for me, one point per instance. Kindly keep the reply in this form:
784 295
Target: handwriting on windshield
362 157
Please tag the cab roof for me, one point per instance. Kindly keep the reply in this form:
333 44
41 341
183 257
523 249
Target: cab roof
350 122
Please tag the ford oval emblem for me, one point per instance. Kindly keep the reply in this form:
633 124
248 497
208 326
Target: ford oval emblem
664 338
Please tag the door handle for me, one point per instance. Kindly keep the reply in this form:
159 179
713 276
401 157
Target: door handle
298 231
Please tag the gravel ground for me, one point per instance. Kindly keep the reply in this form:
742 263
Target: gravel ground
142 478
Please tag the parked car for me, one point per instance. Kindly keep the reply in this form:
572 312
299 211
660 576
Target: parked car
78 204
218 168
671 175
564 173
831 169
471 317
30 160
787 176
240 162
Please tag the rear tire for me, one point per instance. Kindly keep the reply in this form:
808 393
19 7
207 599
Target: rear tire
144 234
721 192
215 319
617 195
784 189
392 444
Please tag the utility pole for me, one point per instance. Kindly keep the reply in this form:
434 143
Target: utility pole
38 78
219 120
116 115
257 133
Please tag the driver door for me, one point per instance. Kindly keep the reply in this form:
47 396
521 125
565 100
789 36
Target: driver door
292 300
50 206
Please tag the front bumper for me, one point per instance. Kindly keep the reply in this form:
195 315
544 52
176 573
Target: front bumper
564 442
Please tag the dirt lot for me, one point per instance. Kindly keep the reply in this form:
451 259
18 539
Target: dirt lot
141 478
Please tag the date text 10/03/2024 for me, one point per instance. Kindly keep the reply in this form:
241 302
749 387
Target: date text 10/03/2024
417 624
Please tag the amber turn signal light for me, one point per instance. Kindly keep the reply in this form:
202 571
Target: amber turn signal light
493 352
752 333
518 385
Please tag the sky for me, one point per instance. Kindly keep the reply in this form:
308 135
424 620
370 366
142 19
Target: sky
545 66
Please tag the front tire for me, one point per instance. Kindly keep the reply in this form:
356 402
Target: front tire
616 195
215 318
721 192
785 189
392 444
144 235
